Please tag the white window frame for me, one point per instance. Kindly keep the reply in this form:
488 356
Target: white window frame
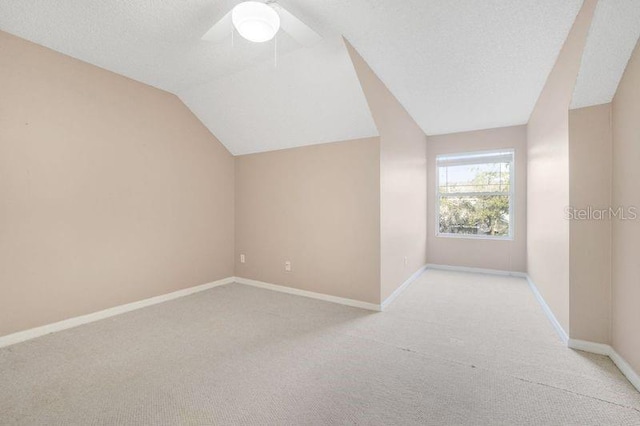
512 194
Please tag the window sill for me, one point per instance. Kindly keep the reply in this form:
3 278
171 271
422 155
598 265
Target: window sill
474 237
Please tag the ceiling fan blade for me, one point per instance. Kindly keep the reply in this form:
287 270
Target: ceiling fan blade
221 30
297 29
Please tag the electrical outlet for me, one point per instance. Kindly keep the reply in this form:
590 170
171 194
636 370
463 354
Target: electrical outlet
406 261
287 266
242 258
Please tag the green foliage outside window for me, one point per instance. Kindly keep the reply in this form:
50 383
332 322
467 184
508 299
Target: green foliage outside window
486 213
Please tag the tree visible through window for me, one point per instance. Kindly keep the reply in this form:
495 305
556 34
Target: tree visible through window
475 193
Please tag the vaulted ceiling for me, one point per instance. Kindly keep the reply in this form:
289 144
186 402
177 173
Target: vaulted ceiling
455 65
612 38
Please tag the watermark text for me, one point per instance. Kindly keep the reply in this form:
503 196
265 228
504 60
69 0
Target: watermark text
592 213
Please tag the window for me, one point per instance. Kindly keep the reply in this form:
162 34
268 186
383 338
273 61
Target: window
475 195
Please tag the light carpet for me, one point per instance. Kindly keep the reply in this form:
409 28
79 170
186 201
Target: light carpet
453 349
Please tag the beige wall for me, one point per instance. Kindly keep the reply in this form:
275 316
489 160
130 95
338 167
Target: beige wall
403 181
481 253
626 234
110 191
318 207
548 173
590 143
345 214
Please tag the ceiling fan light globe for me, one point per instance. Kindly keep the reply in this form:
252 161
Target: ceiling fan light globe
255 21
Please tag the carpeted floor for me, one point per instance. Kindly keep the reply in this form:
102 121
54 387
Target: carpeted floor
454 349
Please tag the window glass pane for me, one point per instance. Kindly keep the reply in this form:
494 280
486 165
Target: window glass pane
475 215
488 177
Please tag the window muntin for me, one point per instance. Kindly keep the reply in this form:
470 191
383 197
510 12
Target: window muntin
475 195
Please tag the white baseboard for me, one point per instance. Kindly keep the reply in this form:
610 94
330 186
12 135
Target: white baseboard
597 348
475 270
548 312
592 347
402 288
310 294
32 333
582 345
602 349
626 369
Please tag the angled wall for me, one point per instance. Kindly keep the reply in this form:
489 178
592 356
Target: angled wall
548 234
112 191
403 181
626 233
350 216
590 144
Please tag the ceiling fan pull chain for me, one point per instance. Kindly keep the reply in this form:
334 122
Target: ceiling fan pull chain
275 51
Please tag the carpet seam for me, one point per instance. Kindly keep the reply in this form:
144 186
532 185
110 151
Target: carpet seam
458 363
575 393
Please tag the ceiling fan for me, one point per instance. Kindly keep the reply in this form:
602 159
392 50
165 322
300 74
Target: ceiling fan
259 22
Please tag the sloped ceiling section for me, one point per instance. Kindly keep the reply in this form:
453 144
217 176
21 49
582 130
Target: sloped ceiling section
454 65
612 38
312 96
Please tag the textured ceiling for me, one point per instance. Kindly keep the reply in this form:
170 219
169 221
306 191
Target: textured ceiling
313 96
455 65
612 38
153 41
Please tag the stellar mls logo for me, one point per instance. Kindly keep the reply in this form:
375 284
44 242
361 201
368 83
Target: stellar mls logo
591 213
